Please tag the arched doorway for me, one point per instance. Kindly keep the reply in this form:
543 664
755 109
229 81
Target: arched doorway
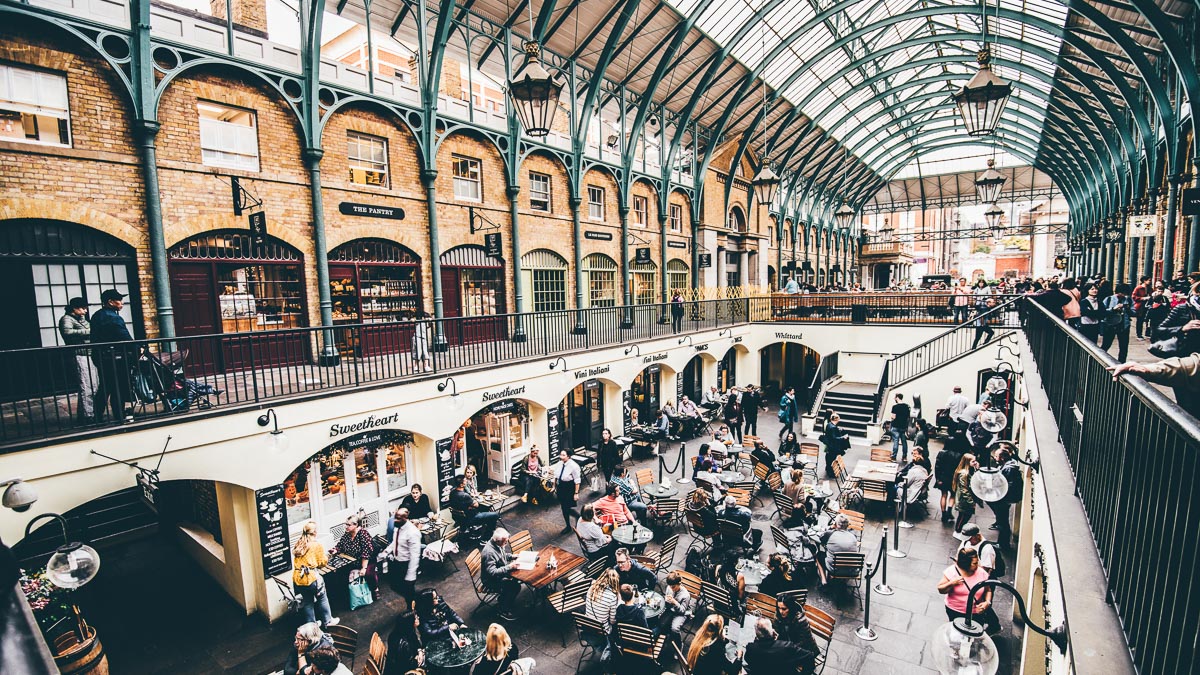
643 398
223 282
582 415
678 278
644 277
727 370
737 219
495 440
374 281
788 364
472 288
771 277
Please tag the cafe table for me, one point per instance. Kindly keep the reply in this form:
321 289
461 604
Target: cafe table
659 491
752 570
870 470
739 634
654 604
444 655
634 536
540 576
728 477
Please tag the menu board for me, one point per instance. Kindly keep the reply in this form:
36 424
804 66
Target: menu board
445 467
273 531
554 442
626 403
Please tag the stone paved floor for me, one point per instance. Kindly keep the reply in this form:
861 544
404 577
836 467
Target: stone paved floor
158 613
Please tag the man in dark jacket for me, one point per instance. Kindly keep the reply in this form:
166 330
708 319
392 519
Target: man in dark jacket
1011 470
633 572
768 655
111 360
752 402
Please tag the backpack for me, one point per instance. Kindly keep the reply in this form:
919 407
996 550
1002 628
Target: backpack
696 563
1016 483
1001 567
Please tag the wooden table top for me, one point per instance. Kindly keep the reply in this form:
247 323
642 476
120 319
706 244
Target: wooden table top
869 470
540 577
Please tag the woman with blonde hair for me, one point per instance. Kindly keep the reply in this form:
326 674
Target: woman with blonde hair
603 597
499 654
964 499
307 556
706 655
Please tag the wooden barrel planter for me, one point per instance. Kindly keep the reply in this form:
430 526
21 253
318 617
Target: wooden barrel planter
74 657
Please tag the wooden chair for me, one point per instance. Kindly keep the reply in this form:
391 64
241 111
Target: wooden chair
874 490
701 536
693 584
592 637
784 506
845 482
644 477
377 654
720 600
733 535
521 541
881 454
649 562
369 668
783 545
637 644
921 500
822 626
741 494
450 534
666 555
774 481
800 595
857 519
812 451
670 511
683 666
761 604
570 599
848 568
345 640
475 568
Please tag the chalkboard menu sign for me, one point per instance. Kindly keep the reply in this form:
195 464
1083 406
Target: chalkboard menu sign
626 403
491 244
445 467
553 432
273 531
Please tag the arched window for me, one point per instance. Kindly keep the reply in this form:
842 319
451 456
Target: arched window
737 219
600 275
545 275
677 276
644 277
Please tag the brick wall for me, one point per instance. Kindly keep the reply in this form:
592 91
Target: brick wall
248 13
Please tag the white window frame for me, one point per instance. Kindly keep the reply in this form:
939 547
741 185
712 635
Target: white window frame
225 143
596 199
32 97
363 169
640 207
676 217
539 199
468 178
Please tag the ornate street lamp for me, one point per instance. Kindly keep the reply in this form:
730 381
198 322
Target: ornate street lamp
844 217
982 100
766 184
962 645
73 564
992 215
988 185
534 93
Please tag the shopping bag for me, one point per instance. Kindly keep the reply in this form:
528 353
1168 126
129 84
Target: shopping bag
360 594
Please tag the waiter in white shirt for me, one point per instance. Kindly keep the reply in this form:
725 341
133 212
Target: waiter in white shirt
567 478
956 405
405 554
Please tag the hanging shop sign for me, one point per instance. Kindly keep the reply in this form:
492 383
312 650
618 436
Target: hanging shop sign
273 531
147 484
368 422
653 358
705 259
597 236
553 432
676 244
1142 226
445 466
1094 241
492 245
1060 262
626 404
258 228
371 210
500 407
642 255
1191 201
593 384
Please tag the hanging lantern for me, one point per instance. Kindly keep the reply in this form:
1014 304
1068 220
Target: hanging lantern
982 100
766 184
993 216
534 93
844 217
988 185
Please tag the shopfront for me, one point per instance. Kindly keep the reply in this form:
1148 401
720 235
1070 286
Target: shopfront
645 396
582 415
378 283
473 288
365 472
494 441
727 370
544 276
221 282
691 380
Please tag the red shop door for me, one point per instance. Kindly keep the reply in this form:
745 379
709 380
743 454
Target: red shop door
196 314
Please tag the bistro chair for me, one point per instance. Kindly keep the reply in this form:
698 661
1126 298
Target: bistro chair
881 454
520 542
741 494
857 519
683 666
701 536
761 604
822 626
570 599
369 668
377 654
811 453
474 567
644 477
638 644
848 568
592 637
784 506
666 555
733 535
345 640
720 600
800 595
669 511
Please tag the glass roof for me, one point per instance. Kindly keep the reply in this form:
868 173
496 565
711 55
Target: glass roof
956 160
820 80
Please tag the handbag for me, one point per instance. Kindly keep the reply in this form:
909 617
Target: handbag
294 601
1165 349
360 594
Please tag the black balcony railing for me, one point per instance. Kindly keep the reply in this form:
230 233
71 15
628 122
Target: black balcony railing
916 308
1136 459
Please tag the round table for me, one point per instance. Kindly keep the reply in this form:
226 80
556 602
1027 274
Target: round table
654 604
728 477
752 570
658 491
633 535
445 655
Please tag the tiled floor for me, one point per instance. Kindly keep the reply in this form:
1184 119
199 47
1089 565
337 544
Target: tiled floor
157 613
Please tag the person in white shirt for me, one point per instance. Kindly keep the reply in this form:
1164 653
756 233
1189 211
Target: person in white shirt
669 409
712 398
567 478
592 539
974 539
687 408
405 553
956 405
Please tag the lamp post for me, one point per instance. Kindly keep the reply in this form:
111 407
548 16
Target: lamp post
73 564
962 645
993 215
844 217
988 483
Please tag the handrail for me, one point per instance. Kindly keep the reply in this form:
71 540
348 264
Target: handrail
969 322
825 372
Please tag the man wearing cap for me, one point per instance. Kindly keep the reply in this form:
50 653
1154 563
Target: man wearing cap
974 539
109 326
74 328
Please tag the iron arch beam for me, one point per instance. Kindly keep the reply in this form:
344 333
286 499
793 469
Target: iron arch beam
597 78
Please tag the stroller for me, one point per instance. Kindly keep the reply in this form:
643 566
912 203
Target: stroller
159 378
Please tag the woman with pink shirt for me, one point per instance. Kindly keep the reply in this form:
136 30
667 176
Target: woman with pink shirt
956 583
1071 310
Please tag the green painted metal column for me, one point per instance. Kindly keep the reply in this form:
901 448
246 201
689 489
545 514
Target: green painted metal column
662 282
574 201
1169 227
329 352
519 335
429 179
147 131
1193 252
626 275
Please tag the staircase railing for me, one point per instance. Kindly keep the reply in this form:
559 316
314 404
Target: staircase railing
825 372
941 349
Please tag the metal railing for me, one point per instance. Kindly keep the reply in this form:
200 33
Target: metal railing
942 349
1136 459
825 371
858 308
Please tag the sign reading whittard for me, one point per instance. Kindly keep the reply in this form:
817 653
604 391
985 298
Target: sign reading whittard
370 422
789 336
589 373
507 392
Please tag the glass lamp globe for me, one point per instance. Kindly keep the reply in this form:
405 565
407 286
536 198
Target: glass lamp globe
72 566
277 441
959 650
989 484
996 385
456 402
